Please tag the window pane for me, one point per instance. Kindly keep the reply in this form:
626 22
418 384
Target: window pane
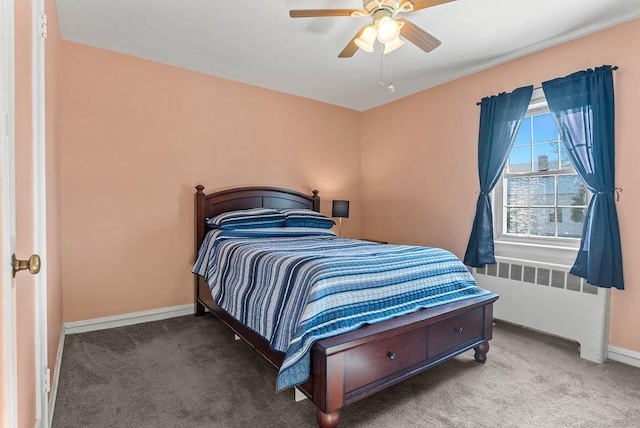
571 190
542 222
544 128
518 191
565 159
572 222
517 219
520 159
545 156
543 190
524 133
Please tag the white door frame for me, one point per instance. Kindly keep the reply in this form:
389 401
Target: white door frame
7 171
39 30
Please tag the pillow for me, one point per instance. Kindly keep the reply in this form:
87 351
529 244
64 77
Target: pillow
247 219
307 218
274 232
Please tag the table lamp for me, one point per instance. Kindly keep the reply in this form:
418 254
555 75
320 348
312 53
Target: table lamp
340 209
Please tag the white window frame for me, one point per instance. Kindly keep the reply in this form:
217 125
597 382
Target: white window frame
557 250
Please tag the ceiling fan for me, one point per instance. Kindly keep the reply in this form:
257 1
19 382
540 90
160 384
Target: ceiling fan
386 28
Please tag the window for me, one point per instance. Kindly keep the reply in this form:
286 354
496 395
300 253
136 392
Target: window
541 195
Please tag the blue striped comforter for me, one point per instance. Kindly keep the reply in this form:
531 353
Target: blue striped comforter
294 287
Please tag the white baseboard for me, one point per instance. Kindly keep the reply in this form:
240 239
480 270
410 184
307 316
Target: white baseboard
104 323
56 377
625 356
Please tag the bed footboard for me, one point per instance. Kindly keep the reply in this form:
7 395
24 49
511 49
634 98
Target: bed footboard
352 366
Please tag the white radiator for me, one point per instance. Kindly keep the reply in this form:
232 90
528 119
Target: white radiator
545 297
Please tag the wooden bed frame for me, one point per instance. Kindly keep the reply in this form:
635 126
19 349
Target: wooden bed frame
354 365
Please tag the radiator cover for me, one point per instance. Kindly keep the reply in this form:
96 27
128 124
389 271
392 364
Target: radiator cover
545 297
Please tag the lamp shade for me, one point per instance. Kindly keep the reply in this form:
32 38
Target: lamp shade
393 45
366 39
388 30
340 209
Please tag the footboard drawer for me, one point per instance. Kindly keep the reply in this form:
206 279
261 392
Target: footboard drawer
376 360
455 332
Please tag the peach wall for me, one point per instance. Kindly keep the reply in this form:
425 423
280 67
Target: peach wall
419 177
52 138
138 136
24 283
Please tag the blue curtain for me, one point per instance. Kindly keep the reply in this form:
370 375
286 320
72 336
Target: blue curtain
500 118
583 107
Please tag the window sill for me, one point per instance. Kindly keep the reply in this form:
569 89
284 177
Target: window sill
559 253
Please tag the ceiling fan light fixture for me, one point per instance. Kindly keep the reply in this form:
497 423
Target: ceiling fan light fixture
386 27
393 45
366 39
388 30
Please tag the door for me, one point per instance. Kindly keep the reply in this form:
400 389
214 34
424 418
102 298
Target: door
9 392
23 389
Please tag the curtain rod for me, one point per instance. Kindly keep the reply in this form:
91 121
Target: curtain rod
614 68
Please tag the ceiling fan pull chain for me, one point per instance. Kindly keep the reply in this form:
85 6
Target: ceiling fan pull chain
381 82
391 88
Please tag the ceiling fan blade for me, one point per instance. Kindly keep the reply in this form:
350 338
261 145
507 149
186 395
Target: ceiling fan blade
312 13
351 47
418 36
423 4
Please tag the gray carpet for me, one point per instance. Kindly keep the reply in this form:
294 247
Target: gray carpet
189 372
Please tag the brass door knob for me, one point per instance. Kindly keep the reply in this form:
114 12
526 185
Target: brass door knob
33 264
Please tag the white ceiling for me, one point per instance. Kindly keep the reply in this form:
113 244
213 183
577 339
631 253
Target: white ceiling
255 41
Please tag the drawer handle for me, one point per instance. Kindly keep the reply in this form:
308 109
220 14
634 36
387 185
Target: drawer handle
391 355
459 329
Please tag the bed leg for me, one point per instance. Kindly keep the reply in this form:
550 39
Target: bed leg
481 352
328 420
199 309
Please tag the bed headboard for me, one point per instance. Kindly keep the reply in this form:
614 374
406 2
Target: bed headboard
244 198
